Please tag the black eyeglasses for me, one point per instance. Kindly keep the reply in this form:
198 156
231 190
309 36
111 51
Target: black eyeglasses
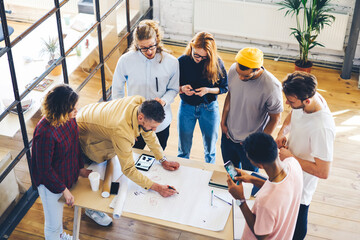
145 49
195 55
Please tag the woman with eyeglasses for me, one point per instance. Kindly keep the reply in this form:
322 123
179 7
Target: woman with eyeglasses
149 71
202 78
56 161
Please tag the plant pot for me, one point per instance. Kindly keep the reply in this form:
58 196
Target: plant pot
56 71
306 68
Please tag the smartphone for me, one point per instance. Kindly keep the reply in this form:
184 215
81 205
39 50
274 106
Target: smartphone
144 162
230 168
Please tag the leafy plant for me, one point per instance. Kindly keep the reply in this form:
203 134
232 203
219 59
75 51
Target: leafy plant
50 47
311 17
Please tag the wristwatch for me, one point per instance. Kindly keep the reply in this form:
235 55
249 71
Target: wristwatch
163 159
239 202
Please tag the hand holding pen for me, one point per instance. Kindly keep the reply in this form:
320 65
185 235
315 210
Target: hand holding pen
172 188
163 190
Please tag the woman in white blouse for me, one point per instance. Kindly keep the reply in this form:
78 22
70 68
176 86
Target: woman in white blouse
149 71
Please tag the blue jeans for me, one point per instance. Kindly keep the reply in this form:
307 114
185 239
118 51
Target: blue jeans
236 153
209 121
53 211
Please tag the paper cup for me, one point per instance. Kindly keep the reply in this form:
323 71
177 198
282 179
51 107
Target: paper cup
94 178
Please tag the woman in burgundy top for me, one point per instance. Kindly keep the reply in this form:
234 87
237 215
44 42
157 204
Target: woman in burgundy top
56 161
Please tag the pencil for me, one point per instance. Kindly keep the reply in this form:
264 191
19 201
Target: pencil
222 199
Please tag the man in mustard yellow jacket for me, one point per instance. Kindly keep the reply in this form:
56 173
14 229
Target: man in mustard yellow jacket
110 128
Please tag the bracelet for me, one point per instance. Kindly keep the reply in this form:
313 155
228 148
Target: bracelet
163 159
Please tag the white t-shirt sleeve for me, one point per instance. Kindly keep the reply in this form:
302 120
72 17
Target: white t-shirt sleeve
322 144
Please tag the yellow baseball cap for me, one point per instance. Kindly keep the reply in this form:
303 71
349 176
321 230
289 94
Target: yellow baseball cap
250 57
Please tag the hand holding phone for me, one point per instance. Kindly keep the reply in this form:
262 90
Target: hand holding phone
230 168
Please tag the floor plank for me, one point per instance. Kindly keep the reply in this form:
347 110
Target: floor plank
334 212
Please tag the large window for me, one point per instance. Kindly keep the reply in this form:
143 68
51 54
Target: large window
44 44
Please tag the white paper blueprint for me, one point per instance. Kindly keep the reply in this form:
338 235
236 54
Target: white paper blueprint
192 206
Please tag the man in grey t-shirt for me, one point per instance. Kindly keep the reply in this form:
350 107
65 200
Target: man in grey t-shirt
253 104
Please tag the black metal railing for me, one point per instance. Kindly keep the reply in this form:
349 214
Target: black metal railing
31 195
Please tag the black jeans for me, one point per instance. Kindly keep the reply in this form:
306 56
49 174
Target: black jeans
301 223
236 153
162 136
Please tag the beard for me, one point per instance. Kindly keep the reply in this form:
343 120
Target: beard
299 107
145 130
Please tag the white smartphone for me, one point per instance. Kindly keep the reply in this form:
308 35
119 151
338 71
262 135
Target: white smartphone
230 168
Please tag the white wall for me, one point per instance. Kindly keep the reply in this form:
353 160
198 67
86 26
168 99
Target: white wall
176 18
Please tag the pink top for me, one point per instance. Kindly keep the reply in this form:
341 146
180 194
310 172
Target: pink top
277 205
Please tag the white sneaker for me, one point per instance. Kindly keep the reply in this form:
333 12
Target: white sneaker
99 217
65 236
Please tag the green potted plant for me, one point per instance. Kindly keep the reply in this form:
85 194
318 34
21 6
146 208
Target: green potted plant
311 17
50 48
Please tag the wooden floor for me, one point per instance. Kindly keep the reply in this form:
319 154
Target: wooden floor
334 211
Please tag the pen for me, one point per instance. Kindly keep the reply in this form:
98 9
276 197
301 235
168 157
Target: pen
222 199
157 84
238 182
172 188
212 196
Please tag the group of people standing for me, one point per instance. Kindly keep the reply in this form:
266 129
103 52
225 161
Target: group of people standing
140 114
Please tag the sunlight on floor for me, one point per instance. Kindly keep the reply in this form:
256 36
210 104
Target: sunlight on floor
344 129
355 121
340 112
355 138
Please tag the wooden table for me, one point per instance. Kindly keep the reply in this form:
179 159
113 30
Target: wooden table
85 198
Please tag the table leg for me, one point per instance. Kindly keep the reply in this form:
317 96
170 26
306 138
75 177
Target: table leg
77 219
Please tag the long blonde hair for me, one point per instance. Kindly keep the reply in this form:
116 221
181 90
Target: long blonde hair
148 29
206 41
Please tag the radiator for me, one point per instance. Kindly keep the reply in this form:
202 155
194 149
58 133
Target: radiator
259 21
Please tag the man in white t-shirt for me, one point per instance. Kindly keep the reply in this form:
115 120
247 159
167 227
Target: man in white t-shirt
311 138
276 206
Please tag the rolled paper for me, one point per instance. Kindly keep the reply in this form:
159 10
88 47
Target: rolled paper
108 178
121 197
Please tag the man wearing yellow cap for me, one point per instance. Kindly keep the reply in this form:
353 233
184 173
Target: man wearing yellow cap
253 104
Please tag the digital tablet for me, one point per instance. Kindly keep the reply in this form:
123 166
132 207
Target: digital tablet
144 162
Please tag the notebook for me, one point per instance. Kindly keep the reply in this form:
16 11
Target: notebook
218 179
